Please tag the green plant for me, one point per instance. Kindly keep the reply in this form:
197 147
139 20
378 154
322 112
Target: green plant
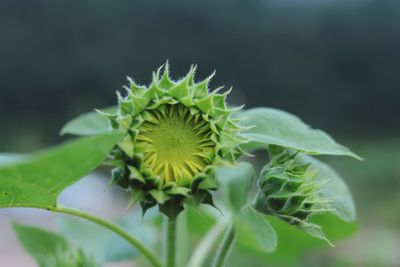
172 144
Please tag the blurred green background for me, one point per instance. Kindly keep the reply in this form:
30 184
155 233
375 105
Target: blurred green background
336 64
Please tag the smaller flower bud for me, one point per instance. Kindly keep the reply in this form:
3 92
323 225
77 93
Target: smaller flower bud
289 190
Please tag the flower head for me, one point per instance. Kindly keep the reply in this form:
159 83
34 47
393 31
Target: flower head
176 144
177 132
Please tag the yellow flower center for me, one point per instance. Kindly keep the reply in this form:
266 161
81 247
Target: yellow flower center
177 144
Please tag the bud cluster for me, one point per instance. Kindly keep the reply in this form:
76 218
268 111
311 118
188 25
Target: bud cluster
289 188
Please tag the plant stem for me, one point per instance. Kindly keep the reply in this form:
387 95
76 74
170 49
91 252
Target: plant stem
113 227
171 243
225 247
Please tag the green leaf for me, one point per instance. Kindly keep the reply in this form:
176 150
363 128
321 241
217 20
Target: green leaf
199 220
276 127
50 249
90 123
39 243
334 188
293 243
253 231
38 180
235 182
105 244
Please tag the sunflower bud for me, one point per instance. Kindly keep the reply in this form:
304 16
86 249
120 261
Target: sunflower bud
289 190
177 132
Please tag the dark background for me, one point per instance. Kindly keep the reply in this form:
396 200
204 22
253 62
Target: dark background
336 64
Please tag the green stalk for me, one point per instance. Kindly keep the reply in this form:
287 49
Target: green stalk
170 248
114 228
225 248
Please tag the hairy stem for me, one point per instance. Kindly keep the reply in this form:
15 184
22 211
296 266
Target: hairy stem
224 248
170 248
114 228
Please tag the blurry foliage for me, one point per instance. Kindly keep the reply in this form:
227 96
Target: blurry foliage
338 57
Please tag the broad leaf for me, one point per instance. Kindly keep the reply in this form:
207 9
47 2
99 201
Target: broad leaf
293 243
105 244
40 243
90 123
334 188
254 231
235 184
199 220
38 180
50 249
276 127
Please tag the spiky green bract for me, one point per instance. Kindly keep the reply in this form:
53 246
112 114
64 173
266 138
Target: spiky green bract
289 190
177 132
